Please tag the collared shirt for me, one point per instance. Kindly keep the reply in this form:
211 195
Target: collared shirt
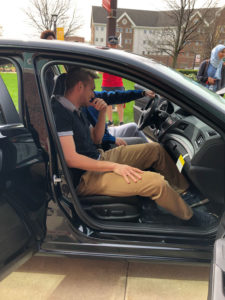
71 107
71 121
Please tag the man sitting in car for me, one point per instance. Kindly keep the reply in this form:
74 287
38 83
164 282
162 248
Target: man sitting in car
120 171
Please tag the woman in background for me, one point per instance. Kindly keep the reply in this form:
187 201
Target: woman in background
211 73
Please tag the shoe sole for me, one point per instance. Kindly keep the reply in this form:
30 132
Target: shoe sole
202 202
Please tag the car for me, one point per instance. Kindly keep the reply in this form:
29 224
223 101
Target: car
40 210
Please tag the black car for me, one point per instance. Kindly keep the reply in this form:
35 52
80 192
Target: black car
40 210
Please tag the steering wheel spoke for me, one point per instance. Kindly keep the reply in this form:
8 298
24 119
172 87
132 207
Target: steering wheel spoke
148 113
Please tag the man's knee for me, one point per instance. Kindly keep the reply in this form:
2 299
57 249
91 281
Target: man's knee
133 126
155 147
158 184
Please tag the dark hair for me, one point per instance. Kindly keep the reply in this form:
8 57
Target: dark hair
45 34
75 75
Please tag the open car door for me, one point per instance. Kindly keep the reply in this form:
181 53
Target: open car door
22 195
217 272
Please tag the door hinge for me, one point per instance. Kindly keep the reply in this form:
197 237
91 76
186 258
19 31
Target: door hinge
56 179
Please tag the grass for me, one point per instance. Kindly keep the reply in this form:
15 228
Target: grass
10 80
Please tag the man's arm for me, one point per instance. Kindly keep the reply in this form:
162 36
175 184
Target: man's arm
202 74
119 97
97 132
76 160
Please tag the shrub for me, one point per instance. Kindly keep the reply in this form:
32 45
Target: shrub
187 71
190 73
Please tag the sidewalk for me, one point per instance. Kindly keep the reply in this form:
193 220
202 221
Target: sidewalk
55 278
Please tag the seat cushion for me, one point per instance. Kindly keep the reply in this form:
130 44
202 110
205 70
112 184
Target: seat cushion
107 208
102 199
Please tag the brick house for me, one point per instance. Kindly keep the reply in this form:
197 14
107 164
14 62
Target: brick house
78 39
140 30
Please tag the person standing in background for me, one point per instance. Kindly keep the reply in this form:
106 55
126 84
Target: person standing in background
211 73
48 35
112 83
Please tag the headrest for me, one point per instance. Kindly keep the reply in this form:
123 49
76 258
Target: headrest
60 85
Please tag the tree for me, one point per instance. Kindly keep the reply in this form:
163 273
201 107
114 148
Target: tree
185 20
40 12
214 32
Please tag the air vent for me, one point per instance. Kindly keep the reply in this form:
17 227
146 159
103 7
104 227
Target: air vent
200 140
211 133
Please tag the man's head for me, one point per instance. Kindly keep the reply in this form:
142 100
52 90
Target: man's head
112 42
48 35
80 86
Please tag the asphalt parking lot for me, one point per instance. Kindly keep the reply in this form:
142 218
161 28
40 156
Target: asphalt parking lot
56 278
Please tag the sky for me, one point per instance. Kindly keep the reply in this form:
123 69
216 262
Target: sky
15 23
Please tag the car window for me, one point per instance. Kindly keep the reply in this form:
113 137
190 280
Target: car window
61 69
9 76
9 96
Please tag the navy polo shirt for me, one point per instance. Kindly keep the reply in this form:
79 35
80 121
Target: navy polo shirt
73 122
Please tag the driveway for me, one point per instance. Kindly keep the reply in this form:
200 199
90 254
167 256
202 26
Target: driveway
56 278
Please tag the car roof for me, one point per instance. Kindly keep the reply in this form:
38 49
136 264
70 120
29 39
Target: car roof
166 78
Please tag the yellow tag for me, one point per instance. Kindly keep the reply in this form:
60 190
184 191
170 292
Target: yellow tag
180 163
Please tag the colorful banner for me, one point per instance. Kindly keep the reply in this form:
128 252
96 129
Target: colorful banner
107 5
60 33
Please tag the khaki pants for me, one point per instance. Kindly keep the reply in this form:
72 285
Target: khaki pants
159 186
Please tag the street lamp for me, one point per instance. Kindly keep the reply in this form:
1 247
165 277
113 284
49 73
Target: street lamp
54 19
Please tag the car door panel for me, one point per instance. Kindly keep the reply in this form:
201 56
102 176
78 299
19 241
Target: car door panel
22 188
217 274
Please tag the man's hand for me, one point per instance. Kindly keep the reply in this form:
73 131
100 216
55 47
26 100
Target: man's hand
150 94
128 172
99 104
120 142
211 80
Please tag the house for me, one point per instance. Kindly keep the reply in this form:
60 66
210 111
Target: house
141 31
78 39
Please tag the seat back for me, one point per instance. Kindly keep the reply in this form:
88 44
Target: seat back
60 84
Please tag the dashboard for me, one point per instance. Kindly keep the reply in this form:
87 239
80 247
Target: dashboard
200 148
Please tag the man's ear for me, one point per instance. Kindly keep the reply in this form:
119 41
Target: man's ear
80 86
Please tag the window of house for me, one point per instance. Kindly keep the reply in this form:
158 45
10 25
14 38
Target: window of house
102 40
145 31
143 52
128 30
96 39
127 41
144 42
96 27
102 28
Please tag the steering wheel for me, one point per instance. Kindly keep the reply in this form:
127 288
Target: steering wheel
148 114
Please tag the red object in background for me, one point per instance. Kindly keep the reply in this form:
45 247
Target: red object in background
106 4
109 80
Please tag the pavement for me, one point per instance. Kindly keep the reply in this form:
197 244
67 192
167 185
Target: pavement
56 278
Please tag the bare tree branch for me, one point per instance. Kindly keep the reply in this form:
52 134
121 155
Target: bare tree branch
39 13
185 21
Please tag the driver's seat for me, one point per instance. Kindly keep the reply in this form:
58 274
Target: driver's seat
105 208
